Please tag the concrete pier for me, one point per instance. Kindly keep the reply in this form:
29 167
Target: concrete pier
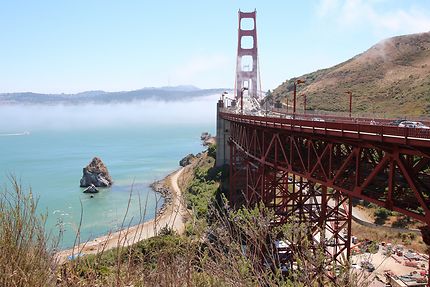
222 136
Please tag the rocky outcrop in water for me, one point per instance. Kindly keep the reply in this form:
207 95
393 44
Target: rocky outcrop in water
186 160
91 189
96 173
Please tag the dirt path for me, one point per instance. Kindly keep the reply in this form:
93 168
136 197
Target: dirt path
173 217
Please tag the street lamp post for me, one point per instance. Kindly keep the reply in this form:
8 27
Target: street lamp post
223 94
222 98
350 102
297 82
304 103
241 99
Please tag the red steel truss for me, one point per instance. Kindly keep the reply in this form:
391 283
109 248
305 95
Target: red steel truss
310 170
392 173
326 214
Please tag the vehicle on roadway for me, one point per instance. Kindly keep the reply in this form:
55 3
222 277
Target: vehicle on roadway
318 120
411 124
397 122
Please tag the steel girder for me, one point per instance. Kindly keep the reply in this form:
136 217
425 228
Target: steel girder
325 214
389 175
313 177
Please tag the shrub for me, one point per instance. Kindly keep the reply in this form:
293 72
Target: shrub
401 221
381 214
212 150
26 253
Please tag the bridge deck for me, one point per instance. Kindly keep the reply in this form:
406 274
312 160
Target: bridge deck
340 127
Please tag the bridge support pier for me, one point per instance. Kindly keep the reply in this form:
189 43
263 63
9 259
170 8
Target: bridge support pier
425 232
222 135
322 215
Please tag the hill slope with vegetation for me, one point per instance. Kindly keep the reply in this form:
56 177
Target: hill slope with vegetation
392 77
210 252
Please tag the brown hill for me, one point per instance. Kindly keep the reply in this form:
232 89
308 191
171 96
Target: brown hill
392 77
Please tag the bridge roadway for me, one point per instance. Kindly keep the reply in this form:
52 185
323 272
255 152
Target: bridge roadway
364 129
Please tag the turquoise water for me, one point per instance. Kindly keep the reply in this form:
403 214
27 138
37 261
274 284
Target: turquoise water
50 161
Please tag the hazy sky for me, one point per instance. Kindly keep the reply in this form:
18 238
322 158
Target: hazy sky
72 46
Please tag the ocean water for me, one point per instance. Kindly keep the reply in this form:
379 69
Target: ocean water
136 149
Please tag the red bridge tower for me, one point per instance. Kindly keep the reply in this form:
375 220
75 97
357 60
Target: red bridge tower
247 61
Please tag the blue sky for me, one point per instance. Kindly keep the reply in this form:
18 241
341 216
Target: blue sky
72 46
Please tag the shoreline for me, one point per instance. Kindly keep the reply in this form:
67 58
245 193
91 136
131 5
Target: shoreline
171 213
159 186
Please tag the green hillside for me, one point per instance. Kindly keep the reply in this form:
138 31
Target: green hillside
391 78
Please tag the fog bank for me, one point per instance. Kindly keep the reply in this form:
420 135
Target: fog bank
20 118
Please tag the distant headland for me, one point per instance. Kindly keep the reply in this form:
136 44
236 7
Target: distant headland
162 94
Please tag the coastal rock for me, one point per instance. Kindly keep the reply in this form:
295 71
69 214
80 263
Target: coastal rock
96 173
207 139
186 160
165 192
205 135
91 189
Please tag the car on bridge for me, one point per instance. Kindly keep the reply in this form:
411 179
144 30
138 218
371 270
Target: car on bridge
318 120
411 124
396 122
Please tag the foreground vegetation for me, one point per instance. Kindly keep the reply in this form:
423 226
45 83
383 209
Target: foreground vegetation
221 247
26 258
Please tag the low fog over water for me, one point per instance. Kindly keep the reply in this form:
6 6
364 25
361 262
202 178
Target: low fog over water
46 147
23 118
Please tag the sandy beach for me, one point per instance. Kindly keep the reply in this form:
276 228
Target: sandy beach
173 215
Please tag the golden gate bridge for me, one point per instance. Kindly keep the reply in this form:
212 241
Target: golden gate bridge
309 168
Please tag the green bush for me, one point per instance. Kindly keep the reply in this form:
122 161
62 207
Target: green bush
202 189
402 221
381 215
212 150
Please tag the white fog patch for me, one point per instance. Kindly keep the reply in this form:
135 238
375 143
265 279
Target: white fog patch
19 118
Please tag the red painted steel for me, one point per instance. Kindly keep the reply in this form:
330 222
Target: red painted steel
350 102
304 103
326 214
388 168
307 167
247 78
347 129
311 169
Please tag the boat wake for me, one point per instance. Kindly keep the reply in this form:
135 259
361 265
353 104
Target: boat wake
15 134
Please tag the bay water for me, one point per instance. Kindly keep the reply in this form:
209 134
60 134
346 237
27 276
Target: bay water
46 147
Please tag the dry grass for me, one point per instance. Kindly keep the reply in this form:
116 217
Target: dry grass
389 79
415 242
26 253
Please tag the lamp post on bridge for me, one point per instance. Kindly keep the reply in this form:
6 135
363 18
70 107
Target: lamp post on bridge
223 94
296 82
222 98
350 102
241 99
304 103
267 102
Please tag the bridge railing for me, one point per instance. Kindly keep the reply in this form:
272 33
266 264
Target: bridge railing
352 128
359 118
